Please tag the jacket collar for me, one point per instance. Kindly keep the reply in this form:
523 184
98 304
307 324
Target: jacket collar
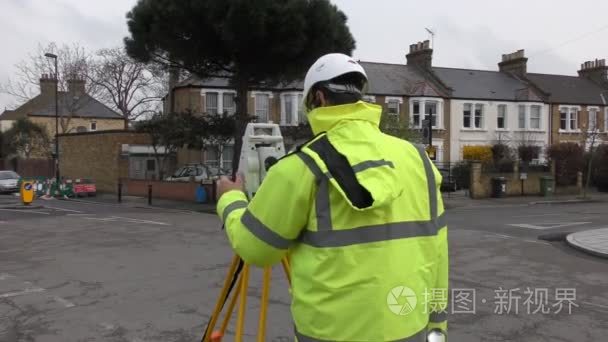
325 118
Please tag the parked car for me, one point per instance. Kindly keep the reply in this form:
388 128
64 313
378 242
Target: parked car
9 182
448 182
185 173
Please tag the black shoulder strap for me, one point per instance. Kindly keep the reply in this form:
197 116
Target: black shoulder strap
342 172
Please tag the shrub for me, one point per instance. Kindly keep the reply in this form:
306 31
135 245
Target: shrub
569 160
462 174
501 152
600 168
480 153
528 152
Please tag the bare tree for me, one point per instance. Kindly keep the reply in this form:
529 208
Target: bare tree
73 63
590 136
132 88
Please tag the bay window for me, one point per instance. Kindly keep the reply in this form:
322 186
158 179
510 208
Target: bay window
592 122
292 112
529 117
426 109
211 103
472 115
219 101
501 117
535 117
393 107
262 107
521 117
568 118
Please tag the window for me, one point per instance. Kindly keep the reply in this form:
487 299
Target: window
521 117
262 106
301 115
592 126
426 109
150 165
416 114
466 115
393 107
228 103
93 126
430 112
535 117
288 110
478 115
501 117
291 109
211 103
568 118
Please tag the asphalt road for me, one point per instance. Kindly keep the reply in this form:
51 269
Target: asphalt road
88 272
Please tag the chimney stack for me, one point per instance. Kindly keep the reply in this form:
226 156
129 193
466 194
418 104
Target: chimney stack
47 85
596 71
515 63
76 86
421 55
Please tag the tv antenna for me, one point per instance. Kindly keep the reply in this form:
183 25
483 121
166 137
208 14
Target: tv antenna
432 33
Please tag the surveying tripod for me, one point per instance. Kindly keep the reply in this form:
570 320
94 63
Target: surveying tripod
262 147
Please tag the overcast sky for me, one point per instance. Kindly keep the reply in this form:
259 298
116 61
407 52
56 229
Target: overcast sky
557 35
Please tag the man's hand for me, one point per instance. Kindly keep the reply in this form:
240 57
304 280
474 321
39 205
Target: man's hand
224 184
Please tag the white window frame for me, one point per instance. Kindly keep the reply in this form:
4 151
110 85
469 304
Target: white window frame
220 98
596 110
482 125
394 99
569 111
528 116
270 94
505 119
295 109
91 126
422 107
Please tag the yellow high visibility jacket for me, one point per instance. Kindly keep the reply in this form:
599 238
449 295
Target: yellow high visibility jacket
359 215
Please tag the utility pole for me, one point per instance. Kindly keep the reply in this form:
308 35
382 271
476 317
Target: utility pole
53 56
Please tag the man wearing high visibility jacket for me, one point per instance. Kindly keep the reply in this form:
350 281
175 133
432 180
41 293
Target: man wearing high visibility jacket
359 215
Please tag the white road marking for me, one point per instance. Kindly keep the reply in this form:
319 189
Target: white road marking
80 214
27 211
68 210
125 219
64 301
547 225
538 215
21 293
142 221
502 236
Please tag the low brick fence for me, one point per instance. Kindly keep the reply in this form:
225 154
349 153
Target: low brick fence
178 191
481 183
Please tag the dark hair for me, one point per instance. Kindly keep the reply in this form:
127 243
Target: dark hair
344 89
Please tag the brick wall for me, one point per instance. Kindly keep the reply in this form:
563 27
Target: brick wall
102 124
97 155
178 191
481 183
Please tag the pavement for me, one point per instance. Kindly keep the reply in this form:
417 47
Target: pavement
94 271
142 202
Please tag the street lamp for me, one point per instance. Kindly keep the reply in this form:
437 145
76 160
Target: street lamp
50 55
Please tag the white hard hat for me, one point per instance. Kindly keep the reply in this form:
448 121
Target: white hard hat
328 67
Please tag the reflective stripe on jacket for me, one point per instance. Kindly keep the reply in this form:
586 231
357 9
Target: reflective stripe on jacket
360 217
